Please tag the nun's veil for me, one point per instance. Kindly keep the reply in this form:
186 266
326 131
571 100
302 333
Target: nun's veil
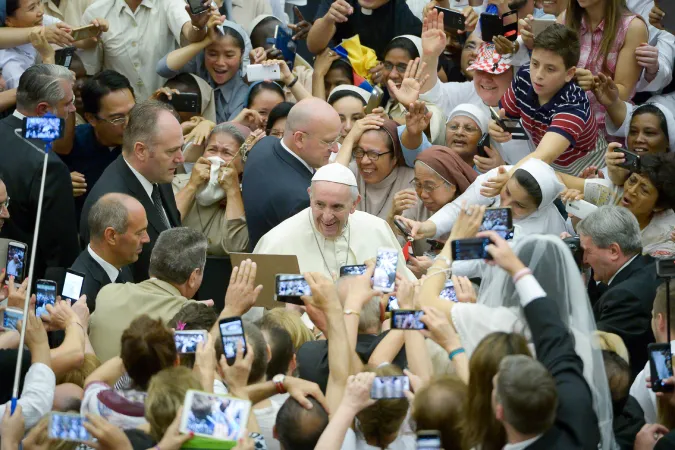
554 268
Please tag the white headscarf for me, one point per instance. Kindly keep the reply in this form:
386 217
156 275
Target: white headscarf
361 93
498 309
474 113
416 40
670 122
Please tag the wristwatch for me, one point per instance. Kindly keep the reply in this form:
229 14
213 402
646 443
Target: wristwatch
279 382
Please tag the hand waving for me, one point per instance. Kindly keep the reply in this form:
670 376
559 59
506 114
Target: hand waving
418 118
242 292
605 90
433 34
412 82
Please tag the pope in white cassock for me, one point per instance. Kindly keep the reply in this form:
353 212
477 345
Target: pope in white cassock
331 233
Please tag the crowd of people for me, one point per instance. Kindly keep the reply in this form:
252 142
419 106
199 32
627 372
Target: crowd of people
512 193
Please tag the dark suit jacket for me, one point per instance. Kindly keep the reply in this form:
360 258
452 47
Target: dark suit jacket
576 425
625 309
119 178
21 167
95 277
274 187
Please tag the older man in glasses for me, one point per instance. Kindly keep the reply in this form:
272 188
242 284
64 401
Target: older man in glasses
279 171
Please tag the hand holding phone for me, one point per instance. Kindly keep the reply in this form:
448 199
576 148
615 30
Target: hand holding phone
467 249
231 333
452 20
68 427
72 285
407 319
661 366
632 160
403 228
85 32
16 261
260 72
289 288
11 318
45 295
389 387
188 340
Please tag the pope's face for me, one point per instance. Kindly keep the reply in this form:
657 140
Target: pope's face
331 205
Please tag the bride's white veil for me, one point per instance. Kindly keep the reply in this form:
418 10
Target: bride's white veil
554 268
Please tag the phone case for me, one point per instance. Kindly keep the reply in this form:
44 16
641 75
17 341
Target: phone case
258 72
452 20
580 208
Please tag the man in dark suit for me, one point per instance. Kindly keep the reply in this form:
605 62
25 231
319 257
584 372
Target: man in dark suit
610 237
151 152
43 88
118 228
278 172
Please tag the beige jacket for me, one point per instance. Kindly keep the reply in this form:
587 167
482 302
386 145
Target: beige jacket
117 305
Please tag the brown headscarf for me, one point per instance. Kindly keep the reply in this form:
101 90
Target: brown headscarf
448 165
391 128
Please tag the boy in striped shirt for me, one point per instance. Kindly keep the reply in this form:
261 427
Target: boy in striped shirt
553 109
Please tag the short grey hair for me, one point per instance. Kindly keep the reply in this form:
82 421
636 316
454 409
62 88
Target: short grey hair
177 253
40 83
613 224
109 211
370 316
227 128
527 392
142 123
353 190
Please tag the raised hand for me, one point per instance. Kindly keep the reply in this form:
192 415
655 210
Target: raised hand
497 133
585 79
467 224
412 82
339 12
242 291
433 34
492 161
301 29
323 61
605 90
647 56
403 200
493 186
418 118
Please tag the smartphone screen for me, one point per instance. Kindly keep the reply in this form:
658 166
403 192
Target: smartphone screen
448 292
231 332
466 249
16 261
45 294
11 318
389 387
358 269
45 128
214 416
72 285
392 303
499 220
661 366
289 289
407 319
187 340
68 427
385 270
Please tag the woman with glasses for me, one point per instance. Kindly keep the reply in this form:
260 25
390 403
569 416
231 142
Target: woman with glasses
209 198
373 152
440 177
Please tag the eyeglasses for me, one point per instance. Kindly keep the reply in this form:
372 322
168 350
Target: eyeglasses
426 187
326 143
468 128
400 68
372 155
116 121
5 204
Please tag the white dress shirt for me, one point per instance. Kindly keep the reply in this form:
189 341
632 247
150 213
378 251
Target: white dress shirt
296 156
38 394
147 185
622 267
109 269
136 40
522 445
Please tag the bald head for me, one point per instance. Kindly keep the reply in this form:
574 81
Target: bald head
312 130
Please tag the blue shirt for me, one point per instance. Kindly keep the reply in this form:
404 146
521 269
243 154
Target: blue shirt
90 158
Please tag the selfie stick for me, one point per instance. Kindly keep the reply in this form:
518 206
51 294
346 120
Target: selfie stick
19 358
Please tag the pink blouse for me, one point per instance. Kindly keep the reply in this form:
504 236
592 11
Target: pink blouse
592 60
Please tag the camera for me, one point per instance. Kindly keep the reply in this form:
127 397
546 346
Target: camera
574 244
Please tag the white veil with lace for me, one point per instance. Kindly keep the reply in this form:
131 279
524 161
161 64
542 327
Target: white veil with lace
498 309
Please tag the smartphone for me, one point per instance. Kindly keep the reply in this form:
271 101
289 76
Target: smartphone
215 416
374 100
231 332
490 26
198 6
452 20
187 340
11 318
68 427
186 102
435 245
499 220
72 285
510 25
289 288
85 32
64 56
580 208
45 128
402 227
484 142
283 40
258 72
407 319
661 366
512 126
16 261
448 292
473 248
389 387
539 25
392 303
384 277
665 268
45 294
429 440
632 162
358 269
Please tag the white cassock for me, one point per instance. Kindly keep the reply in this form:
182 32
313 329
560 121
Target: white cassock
359 241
